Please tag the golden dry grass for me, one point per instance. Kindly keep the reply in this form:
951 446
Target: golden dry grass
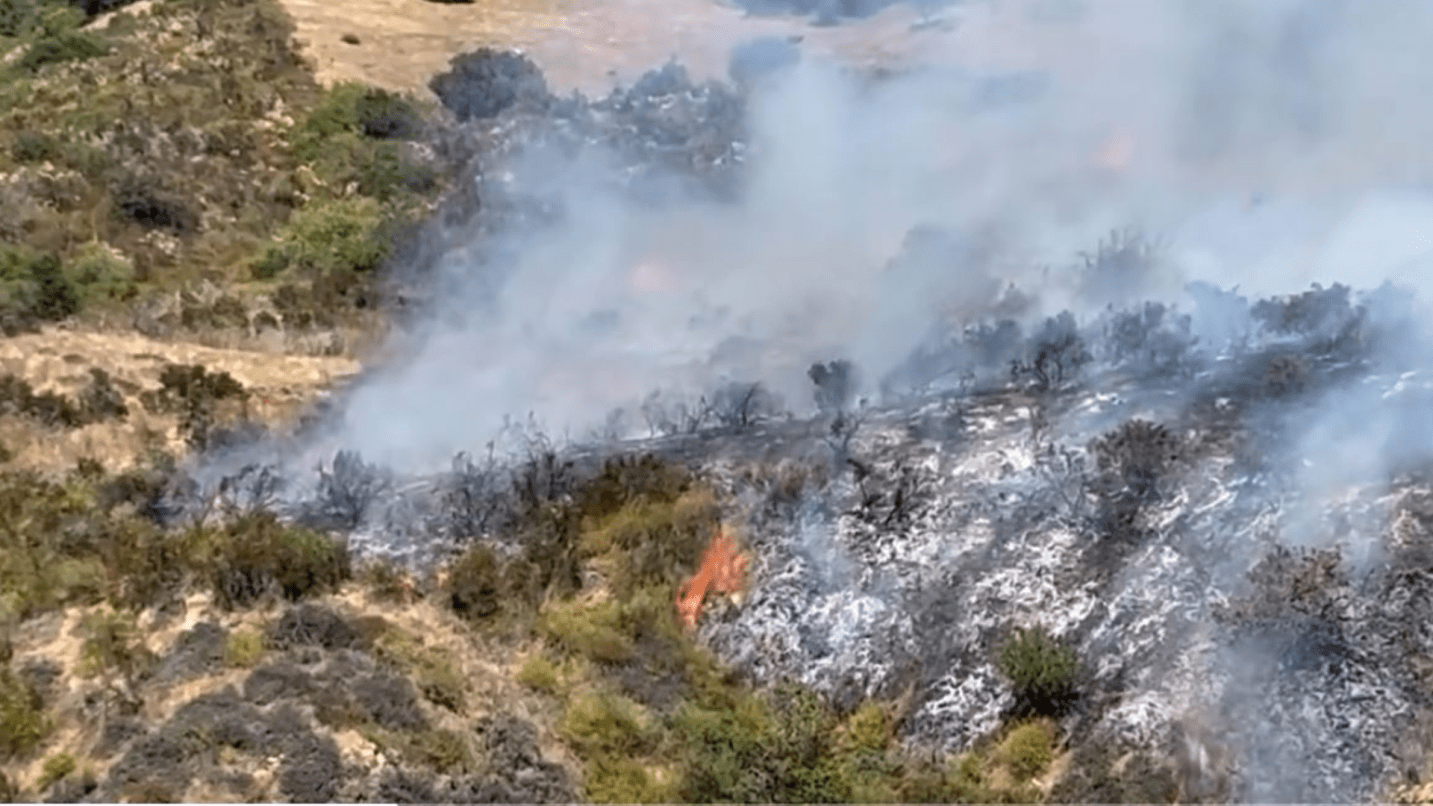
580 44
60 360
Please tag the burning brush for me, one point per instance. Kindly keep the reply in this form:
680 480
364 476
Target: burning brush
722 571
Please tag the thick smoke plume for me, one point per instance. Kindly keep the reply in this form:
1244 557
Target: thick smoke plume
1267 146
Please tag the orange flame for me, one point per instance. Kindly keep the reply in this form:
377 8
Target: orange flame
722 571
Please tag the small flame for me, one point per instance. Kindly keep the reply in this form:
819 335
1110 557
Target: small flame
722 571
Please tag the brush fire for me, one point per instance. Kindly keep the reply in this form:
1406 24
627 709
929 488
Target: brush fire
722 571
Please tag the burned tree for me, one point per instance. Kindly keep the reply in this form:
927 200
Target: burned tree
835 384
1120 267
1130 463
472 498
1151 341
346 490
1057 354
741 405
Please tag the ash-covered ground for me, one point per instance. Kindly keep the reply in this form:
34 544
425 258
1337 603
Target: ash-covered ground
936 414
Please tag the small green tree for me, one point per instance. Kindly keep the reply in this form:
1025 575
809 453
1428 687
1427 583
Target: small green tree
1041 670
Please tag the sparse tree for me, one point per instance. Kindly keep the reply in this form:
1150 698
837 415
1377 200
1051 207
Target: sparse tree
1058 352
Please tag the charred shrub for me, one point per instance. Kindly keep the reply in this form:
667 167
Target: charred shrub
835 384
145 204
472 497
1135 456
1041 670
1120 268
100 400
484 83
258 556
1056 355
740 405
311 770
313 625
1150 340
346 490
889 500
1285 374
1324 317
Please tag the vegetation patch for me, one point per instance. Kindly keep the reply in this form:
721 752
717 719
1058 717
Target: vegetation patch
23 724
244 648
256 556
1041 670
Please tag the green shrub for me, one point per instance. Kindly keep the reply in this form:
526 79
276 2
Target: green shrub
55 769
244 648
23 724
1027 750
539 674
257 555
867 730
594 631
32 146
1041 670
18 17
474 583
352 108
657 543
343 235
616 779
33 284
98 274
607 725
68 46
112 641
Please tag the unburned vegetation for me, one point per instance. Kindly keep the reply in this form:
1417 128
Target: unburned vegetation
184 144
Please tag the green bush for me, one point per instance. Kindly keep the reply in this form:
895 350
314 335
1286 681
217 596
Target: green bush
352 108
60 45
539 674
18 17
244 648
1027 750
113 642
23 724
344 235
98 274
257 556
606 725
33 285
32 146
55 769
1041 670
474 583
594 631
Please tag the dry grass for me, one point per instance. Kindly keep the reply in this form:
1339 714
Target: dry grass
59 360
579 45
